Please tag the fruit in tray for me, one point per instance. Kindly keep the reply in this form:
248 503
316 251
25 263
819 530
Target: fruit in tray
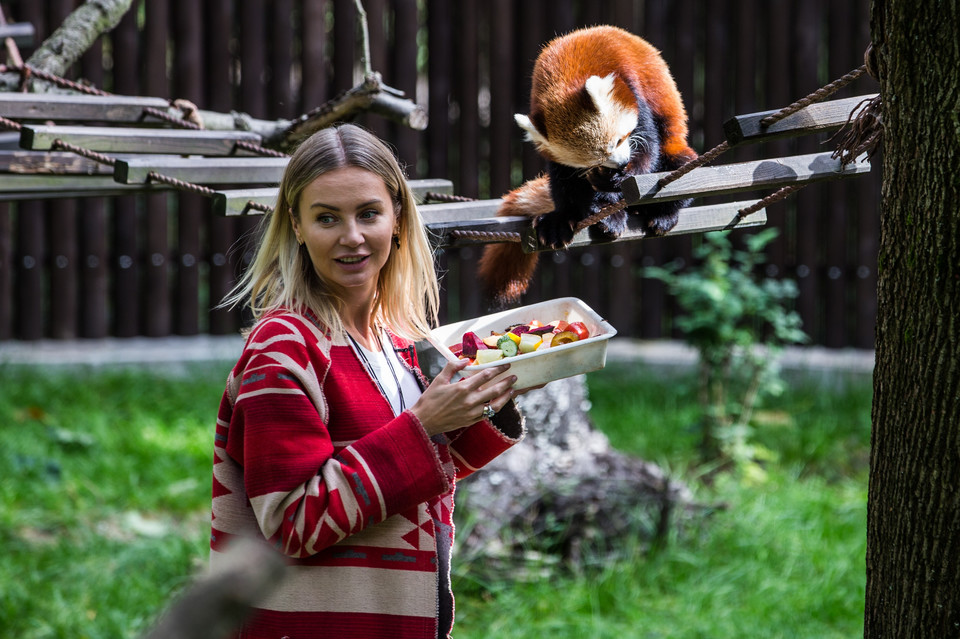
518 339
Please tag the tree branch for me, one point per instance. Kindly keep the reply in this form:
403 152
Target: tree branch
71 40
82 27
371 95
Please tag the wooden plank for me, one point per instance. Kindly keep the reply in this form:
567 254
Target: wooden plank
477 216
816 117
740 177
126 232
808 237
64 301
53 163
136 140
48 187
253 170
94 108
156 289
237 202
6 272
126 266
22 33
403 74
221 261
30 271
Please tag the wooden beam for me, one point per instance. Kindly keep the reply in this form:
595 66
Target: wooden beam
437 214
443 219
76 107
16 187
52 163
819 116
252 170
237 202
136 140
22 33
737 178
55 163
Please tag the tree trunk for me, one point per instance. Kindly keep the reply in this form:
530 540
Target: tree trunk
913 527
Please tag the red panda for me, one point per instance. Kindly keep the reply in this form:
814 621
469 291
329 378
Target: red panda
603 107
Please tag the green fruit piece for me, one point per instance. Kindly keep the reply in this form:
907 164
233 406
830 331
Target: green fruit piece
507 346
529 342
489 355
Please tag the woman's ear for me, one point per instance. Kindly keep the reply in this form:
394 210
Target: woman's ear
295 225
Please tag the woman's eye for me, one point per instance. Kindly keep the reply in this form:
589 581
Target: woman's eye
326 219
369 214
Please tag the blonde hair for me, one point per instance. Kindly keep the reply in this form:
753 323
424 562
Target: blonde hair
282 276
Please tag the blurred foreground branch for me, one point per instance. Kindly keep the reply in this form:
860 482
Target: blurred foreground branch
217 603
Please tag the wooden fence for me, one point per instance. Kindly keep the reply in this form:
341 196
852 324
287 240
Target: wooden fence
156 264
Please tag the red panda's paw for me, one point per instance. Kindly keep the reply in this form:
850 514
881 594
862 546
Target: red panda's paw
661 222
610 227
553 230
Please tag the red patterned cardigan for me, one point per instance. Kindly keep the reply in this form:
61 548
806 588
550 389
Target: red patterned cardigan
309 456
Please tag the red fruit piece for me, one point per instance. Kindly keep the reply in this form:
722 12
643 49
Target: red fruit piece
471 344
580 329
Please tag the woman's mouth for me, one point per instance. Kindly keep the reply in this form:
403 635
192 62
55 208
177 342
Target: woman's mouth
352 260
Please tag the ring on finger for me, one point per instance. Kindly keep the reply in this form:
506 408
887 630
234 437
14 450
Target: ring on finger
488 411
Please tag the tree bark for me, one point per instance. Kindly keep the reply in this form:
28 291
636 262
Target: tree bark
913 520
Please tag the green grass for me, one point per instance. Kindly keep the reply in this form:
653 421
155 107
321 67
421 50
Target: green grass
104 512
783 559
104 508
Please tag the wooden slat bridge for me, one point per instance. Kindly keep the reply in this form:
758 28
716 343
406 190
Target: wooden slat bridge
85 146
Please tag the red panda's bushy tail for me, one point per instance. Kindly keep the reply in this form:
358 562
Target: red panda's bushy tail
504 269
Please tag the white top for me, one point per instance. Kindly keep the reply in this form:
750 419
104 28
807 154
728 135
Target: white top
393 376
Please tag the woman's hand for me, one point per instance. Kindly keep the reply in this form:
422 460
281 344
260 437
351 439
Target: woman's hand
448 405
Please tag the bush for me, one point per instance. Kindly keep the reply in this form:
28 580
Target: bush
738 323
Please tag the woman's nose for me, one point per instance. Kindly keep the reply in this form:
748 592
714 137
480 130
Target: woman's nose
351 235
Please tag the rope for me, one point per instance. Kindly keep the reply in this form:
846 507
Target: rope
256 148
486 236
26 71
773 198
257 206
153 176
172 119
706 158
10 124
816 96
446 197
87 153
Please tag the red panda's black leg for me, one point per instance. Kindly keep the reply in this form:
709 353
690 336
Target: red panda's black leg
572 199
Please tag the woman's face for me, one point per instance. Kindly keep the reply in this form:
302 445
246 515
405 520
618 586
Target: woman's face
347 220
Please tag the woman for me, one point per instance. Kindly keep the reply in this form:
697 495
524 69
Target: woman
330 444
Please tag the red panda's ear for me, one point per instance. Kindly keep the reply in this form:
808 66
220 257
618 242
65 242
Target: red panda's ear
600 91
533 133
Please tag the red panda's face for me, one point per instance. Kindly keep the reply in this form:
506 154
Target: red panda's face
586 131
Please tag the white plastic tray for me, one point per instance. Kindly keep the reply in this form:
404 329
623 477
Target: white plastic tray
540 366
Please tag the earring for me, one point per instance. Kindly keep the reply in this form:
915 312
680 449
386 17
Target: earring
396 241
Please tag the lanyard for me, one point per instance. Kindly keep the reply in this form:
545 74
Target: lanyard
373 372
